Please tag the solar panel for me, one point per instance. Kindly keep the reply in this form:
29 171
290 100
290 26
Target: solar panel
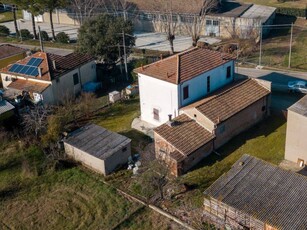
37 62
18 68
31 61
30 70
13 68
34 72
24 69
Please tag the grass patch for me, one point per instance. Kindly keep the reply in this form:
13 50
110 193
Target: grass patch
301 4
8 16
265 141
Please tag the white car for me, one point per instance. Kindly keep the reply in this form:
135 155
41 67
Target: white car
297 86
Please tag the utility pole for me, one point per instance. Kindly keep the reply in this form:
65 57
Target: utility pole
260 52
290 51
40 39
125 55
120 56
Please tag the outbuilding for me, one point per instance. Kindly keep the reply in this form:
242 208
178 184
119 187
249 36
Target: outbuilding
98 148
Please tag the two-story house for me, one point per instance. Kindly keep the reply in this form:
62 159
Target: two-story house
48 77
174 82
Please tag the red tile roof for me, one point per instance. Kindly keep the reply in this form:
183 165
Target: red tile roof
64 64
186 135
7 50
29 86
186 65
232 100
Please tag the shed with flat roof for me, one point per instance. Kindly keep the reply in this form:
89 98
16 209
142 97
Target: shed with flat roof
98 148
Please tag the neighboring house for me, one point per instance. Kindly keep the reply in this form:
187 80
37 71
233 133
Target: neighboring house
257 195
97 148
48 77
6 109
296 144
177 81
10 54
209 123
229 19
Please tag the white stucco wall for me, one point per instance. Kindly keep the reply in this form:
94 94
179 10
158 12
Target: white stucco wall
198 85
296 144
158 94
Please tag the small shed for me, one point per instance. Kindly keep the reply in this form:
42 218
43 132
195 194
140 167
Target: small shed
98 148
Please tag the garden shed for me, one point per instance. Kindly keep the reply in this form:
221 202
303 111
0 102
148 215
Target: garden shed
98 148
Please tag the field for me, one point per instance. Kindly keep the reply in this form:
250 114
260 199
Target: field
35 193
291 4
275 48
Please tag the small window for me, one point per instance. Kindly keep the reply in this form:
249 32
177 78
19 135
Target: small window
228 75
156 114
7 78
124 149
208 22
263 108
222 129
215 23
76 79
208 84
195 116
185 92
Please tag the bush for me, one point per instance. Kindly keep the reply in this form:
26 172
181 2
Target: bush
62 37
292 12
4 31
25 34
45 36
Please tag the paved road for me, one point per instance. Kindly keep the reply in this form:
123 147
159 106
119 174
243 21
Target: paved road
276 77
58 51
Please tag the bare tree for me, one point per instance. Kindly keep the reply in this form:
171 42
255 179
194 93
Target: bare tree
85 8
35 119
124 7
196 22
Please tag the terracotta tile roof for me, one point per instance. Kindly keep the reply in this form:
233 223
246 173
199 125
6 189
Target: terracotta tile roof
28 85
186 135
67 63
7 50
186 65
232 100
64 64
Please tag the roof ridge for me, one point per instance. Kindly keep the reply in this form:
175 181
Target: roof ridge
224 92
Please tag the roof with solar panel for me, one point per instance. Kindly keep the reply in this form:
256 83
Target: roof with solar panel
46 66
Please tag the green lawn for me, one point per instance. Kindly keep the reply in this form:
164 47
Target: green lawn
265 140
8 16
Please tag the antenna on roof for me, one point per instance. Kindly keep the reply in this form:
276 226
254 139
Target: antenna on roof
40 39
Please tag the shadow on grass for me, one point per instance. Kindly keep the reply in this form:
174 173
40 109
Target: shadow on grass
264 128
139 139
9 192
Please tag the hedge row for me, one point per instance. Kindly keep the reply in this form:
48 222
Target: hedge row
292 12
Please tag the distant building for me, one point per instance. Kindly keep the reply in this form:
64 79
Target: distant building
211 122
228 19
10 54
257 195
296 142
48 77
97 148
177 81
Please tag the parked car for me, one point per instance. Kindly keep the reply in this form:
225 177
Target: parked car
297 86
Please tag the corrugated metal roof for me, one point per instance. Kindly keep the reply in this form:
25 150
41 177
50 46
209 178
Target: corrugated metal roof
259 12
300 107
97 141
5 106
264 191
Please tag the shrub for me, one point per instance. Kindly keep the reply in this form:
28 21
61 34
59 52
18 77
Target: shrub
45 36
4 31
62 37
292 12
25 34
